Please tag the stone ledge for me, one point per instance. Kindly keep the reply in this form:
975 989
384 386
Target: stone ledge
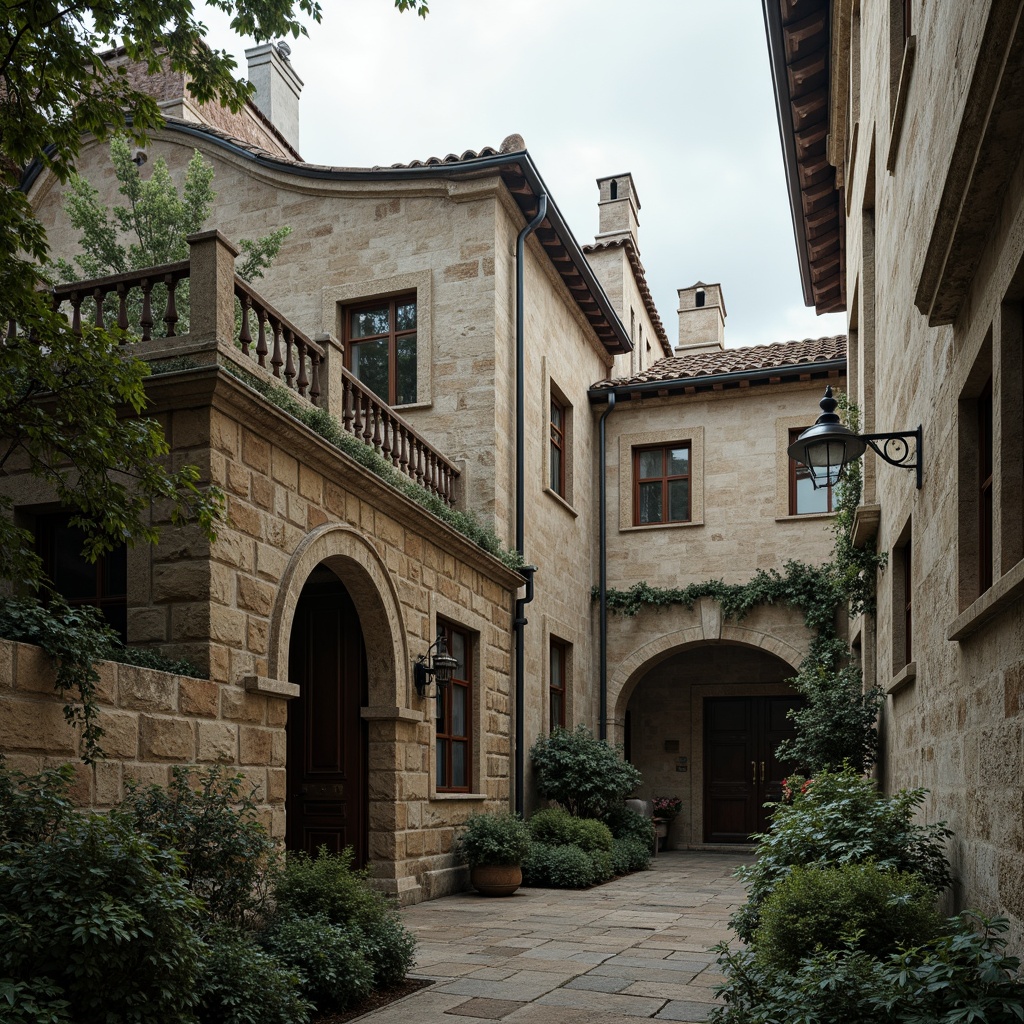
385 712
865 524
1003 593
903 679
271 687
559 500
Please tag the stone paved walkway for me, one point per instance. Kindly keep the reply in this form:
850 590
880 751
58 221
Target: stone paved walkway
636 947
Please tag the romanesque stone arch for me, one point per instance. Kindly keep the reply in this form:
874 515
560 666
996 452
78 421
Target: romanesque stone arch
357 564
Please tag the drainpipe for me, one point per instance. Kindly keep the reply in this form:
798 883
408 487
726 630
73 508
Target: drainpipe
602 584
519 622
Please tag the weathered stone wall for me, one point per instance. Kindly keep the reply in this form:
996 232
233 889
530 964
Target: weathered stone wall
954 718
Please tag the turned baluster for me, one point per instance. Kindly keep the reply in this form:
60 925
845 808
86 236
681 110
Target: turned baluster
146 323
346 403
369 415
314 387
385 444
276 361
403 459
289 366
122 306
97 297
357 425
76 313
434 486
171 309
302 381
419 461
378 415
261 336
244 337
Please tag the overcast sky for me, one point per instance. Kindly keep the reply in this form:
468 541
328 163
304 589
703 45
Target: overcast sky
676 91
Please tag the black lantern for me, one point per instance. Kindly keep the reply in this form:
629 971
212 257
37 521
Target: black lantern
829 446
439 668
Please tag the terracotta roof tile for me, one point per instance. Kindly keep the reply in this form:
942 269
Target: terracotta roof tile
714 362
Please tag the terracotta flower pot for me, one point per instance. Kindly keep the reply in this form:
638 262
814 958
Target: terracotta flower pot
496 879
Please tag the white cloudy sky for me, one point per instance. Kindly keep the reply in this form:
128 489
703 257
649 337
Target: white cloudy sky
676 91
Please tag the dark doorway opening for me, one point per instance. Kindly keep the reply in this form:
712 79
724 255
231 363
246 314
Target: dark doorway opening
327 737
741 771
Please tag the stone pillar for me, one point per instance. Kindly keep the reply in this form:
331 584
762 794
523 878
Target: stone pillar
331 394
212 287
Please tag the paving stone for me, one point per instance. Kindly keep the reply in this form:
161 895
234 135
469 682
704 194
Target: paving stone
679 1009
595 983
632 1006
651 974
486 1009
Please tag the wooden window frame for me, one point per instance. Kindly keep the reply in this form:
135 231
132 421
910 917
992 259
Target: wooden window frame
665 479
102 598
557 444
557 655
393 336
986 509
794 469
907 558
443 735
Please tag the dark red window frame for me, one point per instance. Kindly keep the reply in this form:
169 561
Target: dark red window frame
558 417
665 478
393 336
985 507
447 739
557 685
798 471
908 618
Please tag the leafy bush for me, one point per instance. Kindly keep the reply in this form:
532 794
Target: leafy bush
499 839
390 949
630 855
335 973
586 776
627 824
225 850
327 885
241 984
558 867
556 827
105 916
855 905
33 807
837 724
35 1001
842 819
961 975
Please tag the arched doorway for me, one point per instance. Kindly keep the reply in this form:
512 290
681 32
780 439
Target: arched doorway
327 739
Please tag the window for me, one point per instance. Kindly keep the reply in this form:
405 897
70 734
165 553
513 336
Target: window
661 484
803 498
556 464
454 711
102 584
985 510
556 686
380 347
908 601
902 600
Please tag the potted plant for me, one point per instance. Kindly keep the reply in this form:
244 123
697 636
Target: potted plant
494 845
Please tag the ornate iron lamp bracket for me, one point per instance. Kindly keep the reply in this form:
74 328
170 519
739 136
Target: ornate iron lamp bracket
895 448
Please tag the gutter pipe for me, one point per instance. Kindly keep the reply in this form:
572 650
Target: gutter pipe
519 622
603 571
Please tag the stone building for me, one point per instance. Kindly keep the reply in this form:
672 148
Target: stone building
448 319
902 129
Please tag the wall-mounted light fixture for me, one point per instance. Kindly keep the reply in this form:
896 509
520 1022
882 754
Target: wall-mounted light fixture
439 668
829 446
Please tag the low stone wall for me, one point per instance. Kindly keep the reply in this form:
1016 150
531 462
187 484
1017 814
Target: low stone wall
151 721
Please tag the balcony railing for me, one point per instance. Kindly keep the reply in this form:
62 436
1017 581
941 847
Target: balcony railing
243 327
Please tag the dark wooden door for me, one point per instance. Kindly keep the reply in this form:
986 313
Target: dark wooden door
741 771
326 775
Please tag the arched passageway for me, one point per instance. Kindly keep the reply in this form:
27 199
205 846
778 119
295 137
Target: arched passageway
703 724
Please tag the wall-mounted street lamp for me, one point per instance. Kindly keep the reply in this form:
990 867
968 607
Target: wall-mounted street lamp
829 446
439 668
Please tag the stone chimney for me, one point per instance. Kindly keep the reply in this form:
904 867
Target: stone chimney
277 87
701 318
618 208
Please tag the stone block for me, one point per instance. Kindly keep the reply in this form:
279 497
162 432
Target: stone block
255 451
147 625
108 783
145 689
218 741
277 785
181 581
277 713
167 739
35 725
257 631
224 433
199 697
227 626
261 491
34 669
6 665
120 734
237 481
145 775
279 748
255 596
245 518
284 469
255 745
236 705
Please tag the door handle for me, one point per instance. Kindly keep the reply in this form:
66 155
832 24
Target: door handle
753 768
762 773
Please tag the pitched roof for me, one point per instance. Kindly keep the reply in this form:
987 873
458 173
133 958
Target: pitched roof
753 360
641 282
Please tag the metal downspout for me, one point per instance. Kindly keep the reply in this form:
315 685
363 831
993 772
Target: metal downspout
602 584
519 622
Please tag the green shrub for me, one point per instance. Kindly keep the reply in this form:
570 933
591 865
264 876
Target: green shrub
33 1001
334 971
602 865
629 855
627 824
586 776
33 807
842 819
105 915
493 839
206 817
329 886
241 984
559 867
390 948
851 905
556 827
